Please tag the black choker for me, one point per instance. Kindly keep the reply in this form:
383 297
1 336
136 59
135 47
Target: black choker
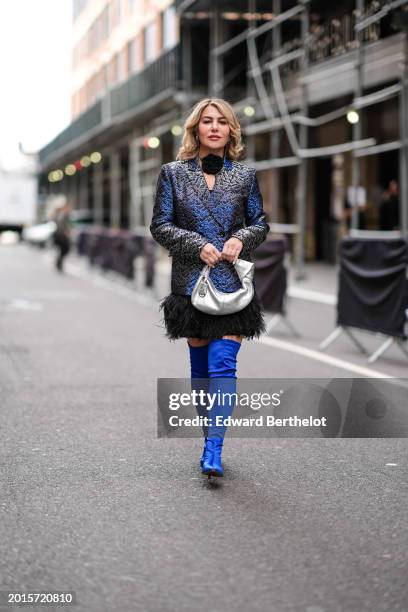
211 164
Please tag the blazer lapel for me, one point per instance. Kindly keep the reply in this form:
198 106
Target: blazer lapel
197 180
223 181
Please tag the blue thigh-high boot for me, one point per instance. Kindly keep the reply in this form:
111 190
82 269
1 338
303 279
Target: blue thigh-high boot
199 381
222 365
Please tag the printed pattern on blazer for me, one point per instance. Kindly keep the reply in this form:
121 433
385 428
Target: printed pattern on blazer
187 215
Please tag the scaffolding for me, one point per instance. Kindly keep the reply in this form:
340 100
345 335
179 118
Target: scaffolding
274 105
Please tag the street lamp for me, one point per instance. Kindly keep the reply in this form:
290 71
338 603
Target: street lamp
353 117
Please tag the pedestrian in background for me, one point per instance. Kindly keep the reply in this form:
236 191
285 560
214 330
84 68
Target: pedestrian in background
389 208
209 210
62 238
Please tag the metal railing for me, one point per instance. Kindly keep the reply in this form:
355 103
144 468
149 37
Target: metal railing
160 75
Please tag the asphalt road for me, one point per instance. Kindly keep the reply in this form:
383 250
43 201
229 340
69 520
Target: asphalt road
93 502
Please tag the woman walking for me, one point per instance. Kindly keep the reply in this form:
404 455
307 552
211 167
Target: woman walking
209 211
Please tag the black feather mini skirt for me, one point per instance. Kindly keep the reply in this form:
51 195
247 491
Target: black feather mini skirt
183 320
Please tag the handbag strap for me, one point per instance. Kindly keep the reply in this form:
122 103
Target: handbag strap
205 272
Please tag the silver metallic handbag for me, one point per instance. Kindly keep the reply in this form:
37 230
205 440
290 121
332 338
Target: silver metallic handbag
207 298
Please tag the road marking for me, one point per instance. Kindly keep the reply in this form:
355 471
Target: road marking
25 305
131 294
111 285
94 276
323 357
311 296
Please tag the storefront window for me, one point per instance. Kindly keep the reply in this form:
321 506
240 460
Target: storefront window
169 28
132 56
150 42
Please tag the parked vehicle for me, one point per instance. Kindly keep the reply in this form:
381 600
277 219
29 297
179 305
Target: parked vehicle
18 199
40 235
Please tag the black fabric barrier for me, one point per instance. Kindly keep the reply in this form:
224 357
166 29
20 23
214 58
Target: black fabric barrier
116 250
149 255
270 274
122 255
82 242
373 285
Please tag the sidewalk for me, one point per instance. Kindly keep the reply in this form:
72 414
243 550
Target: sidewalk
319 284
310 317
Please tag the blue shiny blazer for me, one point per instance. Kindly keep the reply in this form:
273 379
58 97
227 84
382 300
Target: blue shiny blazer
187 215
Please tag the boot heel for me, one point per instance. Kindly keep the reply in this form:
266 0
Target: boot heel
216 468
207 457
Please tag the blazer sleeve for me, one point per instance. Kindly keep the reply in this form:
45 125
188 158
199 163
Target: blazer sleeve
256 228
163 229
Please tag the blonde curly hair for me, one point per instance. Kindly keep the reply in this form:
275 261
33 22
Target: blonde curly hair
189 145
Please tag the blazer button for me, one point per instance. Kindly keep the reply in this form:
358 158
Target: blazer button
222 234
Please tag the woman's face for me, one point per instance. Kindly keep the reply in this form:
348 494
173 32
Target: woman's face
213 129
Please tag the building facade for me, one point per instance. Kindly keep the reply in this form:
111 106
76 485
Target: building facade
320 89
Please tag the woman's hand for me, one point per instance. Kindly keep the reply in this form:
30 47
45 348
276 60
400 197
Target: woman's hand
232 249
210 254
